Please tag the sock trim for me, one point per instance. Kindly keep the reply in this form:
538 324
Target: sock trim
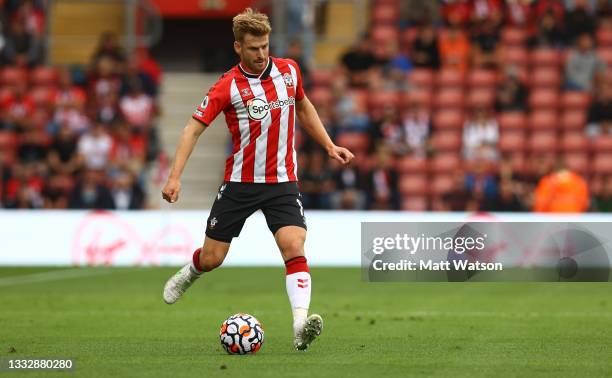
296 264
196 261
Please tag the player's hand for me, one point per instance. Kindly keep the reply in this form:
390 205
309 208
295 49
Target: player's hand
340 154
171 190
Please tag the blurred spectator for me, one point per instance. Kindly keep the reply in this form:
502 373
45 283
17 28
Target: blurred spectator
24 188
22 47
454 49
456 12
127 195
133 74
583 65
137 107
519 13
62 157
555 7
602 202
459 198
485 45
562 191
580 20
549 33
71 114
416 126
94 147
68 94
349 113
359 61
91 193
108 47
348 183
149 66
294 51
603 12
316 182
600 112
481 184
55 196
487 10
32 148
388 131
104 80
107 110
511 93
506 200
32 16
382 182
480 136
128 151
425 50
17 108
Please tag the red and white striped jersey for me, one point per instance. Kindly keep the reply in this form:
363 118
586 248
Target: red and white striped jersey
260 114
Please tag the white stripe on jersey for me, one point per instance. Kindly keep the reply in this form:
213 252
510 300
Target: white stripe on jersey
243 128
294 157
261 143
281 90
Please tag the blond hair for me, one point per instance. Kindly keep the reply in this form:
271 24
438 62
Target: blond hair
251 22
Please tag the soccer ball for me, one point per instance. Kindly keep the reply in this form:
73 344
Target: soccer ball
241 334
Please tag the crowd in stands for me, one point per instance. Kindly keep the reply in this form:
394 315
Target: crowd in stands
73 137
469 105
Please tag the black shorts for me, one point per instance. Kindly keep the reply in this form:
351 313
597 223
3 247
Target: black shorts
281 204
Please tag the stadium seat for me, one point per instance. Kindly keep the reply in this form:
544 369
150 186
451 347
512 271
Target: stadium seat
360 96
416 96
448 119
410 185
322 77
577 162
596 185
602 144
512 141
575 100
481 97
512 120
544 99
575 141
545 77
574 119
384 14
412 164
42 95
605 54
320 96
11 76
8 140
381 34
448 77
546 57
511 36
515 55
444 141
543 120
442 184
482 78
421 78
408 36
355 141
381 99
449 98
445 163
603 37
543 141
44 76
602 164
418 203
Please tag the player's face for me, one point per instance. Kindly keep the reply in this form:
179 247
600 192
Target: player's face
254 52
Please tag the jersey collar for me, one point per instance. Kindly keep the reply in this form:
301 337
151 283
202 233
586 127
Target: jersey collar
263 75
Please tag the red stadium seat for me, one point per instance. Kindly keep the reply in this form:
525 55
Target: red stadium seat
575 142
42 96
448 77
12 75
482 78
386 14
544 120
543 141
444 141
381 99
574 119
442 184
418 203
513 36
512 120
408 36
411 164
602 144
421 77
448 119
445 163
449 98
546 57
322 77
416 96
47 76
481 97
354 141
517 56
410 185
544 98
512 141
602 164
605 54
604 37
577 162
8 140
575 100
381 34
320 96
545 77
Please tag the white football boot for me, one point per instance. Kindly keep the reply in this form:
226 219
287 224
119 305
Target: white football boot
308 332
179 283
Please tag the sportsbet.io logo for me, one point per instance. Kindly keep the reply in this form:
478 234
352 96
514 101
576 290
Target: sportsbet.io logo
258 108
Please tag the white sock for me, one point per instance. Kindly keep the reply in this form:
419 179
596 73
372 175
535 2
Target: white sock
298 289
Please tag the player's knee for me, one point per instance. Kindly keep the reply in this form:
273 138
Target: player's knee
211 259
294 247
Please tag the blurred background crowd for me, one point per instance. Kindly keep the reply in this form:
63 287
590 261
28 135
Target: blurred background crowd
456 105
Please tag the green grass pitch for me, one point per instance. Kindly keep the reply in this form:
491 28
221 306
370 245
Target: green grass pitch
113 323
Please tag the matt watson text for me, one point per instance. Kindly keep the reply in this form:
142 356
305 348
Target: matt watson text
436 265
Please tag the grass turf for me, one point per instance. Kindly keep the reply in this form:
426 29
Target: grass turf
113 322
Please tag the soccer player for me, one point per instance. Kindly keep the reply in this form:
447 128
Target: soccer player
260 97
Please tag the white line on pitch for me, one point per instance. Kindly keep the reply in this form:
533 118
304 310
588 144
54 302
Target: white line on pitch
54 275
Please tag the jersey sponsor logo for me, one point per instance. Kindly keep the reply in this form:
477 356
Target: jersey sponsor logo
288 80
258 108
204 103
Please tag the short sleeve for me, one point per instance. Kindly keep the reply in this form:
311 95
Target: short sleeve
299 90
215 102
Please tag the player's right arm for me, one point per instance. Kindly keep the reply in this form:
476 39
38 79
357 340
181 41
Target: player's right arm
189 138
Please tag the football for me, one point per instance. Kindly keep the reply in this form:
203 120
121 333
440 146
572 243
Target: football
241 334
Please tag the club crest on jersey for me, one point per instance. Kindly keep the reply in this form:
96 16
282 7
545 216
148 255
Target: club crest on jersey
213 222
288 80
204 103
246 92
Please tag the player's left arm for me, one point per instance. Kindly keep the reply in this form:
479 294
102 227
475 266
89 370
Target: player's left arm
310 121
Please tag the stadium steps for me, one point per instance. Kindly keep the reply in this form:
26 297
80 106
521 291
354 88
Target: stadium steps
75 28
204 172
344 21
